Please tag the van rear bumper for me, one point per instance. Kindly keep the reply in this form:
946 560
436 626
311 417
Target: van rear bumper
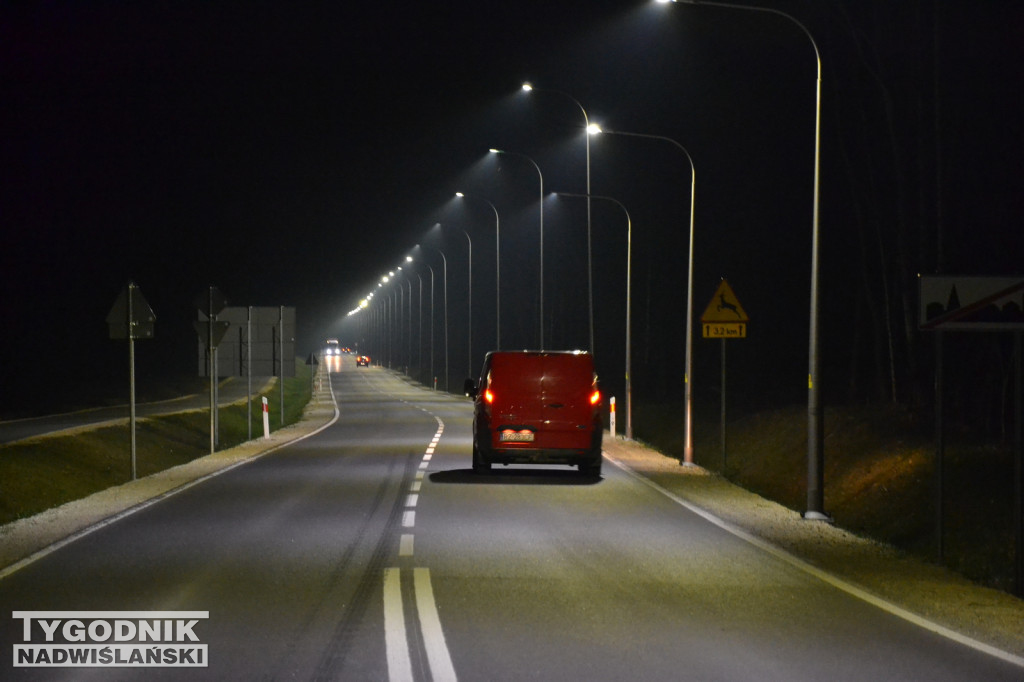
541 456
585 448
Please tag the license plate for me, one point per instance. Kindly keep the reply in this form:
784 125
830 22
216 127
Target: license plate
510 436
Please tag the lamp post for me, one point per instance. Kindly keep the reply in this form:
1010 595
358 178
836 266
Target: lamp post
469 307
387 325
629 305
408 334
444 260
688 382
497 264
413 260
527 87
398 318
419 342
815 416
540 177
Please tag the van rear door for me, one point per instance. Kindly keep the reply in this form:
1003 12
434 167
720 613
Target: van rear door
566 387
515 379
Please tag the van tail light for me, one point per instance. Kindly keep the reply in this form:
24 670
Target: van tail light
595 397
488 396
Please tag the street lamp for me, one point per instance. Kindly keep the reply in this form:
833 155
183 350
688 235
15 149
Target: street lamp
469 329
413 260
497 264
445 281
388 328
408 336
688 382
419 342
540 176
815 416
527 87
629 306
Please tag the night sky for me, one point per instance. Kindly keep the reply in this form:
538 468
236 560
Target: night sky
292 153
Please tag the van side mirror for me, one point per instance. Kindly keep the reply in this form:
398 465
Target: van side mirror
469 388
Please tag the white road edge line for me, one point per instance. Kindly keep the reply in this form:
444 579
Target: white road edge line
395 641
838 583
441 668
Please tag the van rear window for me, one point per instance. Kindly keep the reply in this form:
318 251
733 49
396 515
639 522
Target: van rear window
521 373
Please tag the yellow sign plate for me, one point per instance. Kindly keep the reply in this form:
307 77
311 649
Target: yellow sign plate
725 330
724 307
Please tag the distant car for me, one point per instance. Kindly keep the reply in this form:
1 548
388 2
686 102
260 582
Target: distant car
332 347
537 407
362 361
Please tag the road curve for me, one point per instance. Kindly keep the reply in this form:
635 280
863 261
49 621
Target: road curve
369 550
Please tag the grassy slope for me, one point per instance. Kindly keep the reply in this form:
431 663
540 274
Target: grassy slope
42 473
879 478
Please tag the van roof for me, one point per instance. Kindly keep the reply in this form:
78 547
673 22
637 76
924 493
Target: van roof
538 352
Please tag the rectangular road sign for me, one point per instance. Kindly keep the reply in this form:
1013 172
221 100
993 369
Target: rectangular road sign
258 344
971 303
725 330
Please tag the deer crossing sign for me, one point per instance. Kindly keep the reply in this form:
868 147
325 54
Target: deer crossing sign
724 318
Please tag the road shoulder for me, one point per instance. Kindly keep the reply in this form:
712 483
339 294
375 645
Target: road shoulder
934 593
24 539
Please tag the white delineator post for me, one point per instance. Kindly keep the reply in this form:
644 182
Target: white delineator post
611 415
266 418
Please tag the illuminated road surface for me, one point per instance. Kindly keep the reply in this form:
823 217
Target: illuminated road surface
371 552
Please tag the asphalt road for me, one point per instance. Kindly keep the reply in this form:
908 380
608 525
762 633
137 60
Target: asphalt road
370 551
229 391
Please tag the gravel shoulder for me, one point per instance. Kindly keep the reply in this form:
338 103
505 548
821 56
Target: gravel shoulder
933 593
990 617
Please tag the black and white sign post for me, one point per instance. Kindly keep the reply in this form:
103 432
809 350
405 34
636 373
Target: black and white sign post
131 318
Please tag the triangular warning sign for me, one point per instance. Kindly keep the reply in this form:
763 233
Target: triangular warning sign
724 307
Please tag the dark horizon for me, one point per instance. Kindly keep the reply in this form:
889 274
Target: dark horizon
293 156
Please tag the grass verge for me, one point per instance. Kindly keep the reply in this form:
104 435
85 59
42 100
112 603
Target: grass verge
880 478
46 472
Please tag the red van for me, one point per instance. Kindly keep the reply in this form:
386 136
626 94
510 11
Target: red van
537 407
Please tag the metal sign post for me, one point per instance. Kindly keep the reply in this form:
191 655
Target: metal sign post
209 304
313 364
131 318
724 319
251 341
976 304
